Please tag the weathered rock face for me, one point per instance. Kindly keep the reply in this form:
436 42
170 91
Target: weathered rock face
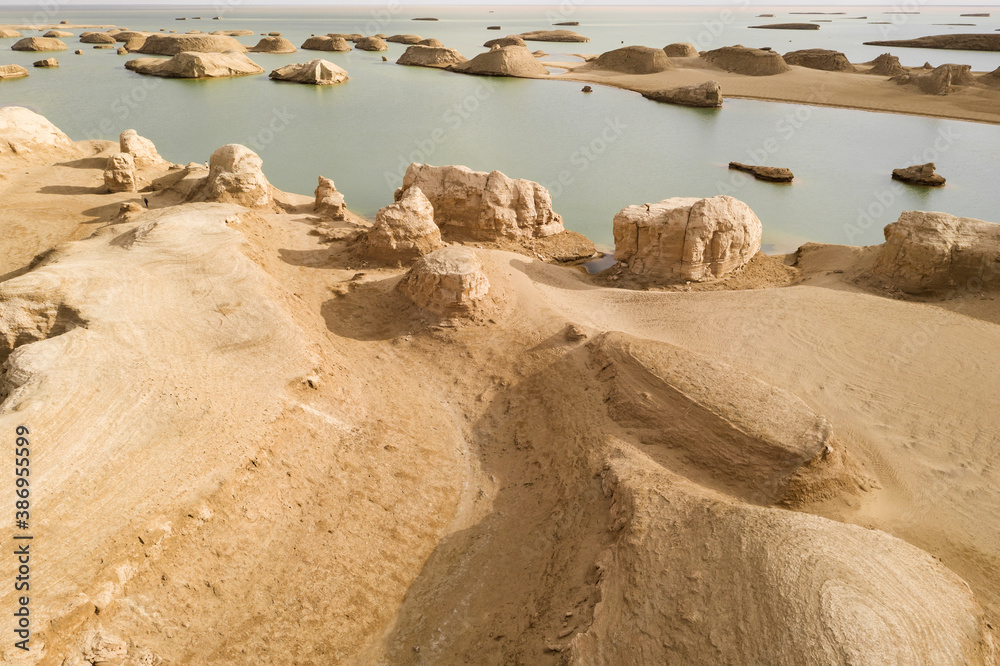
632 60
991 79
940 80
39 44
23 130
484 206
404 39
765 173
326 43
48 62
707 95
371 44
119 173
973 42
429 56
687 238
680 50
431 41
404 230
936 252
743 60
235 176
346 36
197 66
274 45
141 149
174 44
448 282
920 174
509 40
329 202
316 72
51 33
11 34
553 36
824 59
233 33
886 65
503 61
12 72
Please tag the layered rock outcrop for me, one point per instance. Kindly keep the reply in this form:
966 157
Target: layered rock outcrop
404 230
765 173
967 42
449 283
329 202
96 38
824 59
174 44
23 131
316 72
707 95
429 56
886 65
687 238
680 50
404 39
141 149
927 252
274 45
484 206
751 62
503 61
39 44
371 44
326 43
553 36
920 174
119 174
235 176
632 60
509 40
197 66
13 72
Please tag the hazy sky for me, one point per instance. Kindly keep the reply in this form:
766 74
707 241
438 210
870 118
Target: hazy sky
896 4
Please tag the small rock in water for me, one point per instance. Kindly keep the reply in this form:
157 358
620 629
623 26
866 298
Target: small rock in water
769 174
588 89
920 174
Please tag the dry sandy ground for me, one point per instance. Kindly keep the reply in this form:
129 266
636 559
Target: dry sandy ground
806 86
247 451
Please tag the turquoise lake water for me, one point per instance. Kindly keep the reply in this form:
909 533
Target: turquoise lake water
597 153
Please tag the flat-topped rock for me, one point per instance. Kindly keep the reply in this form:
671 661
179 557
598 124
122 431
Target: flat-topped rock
12 34
429 56
680 50
316 72
765 173
197 66
174 44
823 59
274 45
514 61
96 38
12 72
233 33
39 44
553 36
706 95
927 252
786 26
509 40
53 33
404 230
748 61
920 174
449 282
404 39
346 36
964 42
631 60
326 43
371 44
48 62
687 238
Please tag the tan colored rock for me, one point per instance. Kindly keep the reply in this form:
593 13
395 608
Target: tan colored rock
371 44
509 40
346 36
329 202
886 65
687 238
119 173
631 60
48 62
326 43
940 80
823 59
23 131
966 42
141 149
6 33
197 66
449 282
935 252
122 50
39 44
273 45
431 41
429 56
484 206
233 33
553 36
404 230
680 50
316 72
96 38
56 33
787 26
503 61
765 173
743 60
125 36
404 39
707 95
921 174
235 176
12 72
175 44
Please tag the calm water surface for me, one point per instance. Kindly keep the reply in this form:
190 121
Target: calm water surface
596 153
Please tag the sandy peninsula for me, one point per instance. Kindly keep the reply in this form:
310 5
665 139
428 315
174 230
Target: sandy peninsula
264 429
